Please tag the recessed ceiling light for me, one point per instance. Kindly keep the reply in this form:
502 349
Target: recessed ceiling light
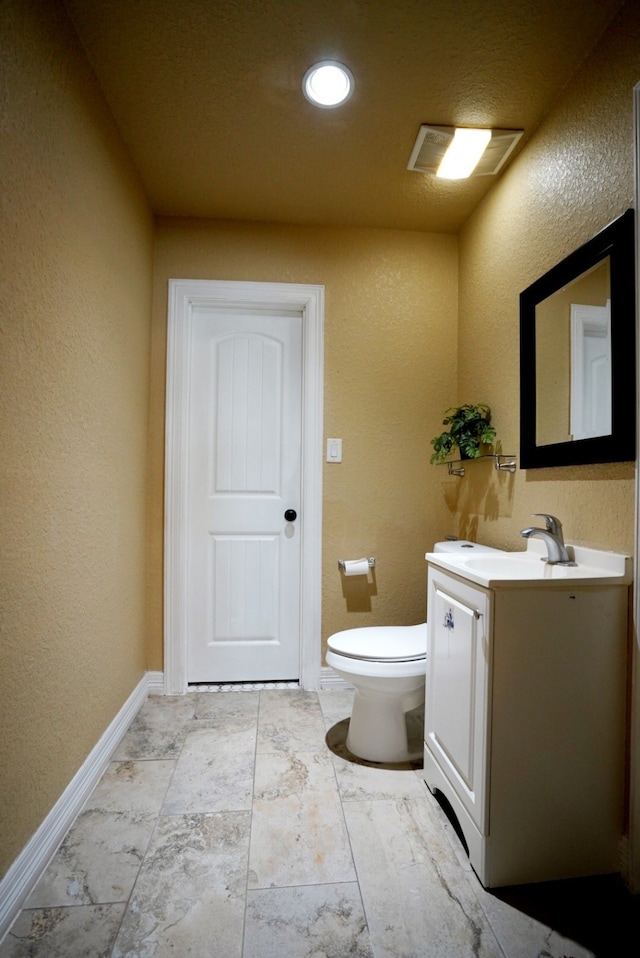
328 84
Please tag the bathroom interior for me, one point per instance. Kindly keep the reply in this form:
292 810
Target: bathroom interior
136 151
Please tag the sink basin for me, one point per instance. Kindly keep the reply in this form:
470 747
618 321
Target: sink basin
509 569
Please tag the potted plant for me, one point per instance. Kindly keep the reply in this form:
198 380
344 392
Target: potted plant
469 426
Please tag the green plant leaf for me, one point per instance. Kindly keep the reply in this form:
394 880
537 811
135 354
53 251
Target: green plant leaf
469 426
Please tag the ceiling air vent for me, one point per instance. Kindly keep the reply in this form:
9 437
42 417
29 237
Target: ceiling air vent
432 143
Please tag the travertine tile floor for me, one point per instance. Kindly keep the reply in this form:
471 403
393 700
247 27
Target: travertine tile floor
235 825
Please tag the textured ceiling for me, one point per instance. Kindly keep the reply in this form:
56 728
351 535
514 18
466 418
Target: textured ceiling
207 95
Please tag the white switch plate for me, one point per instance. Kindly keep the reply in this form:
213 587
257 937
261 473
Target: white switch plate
334 450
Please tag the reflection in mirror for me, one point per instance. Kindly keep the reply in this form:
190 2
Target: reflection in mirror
573 359
577 355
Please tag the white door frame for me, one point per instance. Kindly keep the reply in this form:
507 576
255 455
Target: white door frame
634 776
184 295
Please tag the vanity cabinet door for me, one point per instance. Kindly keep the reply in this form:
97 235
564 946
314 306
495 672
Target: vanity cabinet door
457 682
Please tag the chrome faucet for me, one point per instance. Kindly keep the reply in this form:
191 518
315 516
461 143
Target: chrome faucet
553 538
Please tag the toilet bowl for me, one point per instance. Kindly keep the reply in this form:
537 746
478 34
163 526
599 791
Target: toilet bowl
386 666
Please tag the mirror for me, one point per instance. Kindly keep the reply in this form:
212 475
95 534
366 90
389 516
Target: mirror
577 355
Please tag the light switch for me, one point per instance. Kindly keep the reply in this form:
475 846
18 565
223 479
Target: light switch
334 450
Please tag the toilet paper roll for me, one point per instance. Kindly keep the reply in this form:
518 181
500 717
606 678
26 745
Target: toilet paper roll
356 566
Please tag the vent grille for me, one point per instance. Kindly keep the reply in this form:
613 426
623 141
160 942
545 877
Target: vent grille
432 142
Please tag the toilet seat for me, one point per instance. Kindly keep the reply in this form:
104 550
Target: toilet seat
390 643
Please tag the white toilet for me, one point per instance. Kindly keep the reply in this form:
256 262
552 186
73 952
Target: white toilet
386 665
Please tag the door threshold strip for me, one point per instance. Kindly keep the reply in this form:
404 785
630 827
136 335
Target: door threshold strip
241 686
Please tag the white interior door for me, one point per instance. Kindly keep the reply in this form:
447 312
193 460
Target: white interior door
244 473
243 445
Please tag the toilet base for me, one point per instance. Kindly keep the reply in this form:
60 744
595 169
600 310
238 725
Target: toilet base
378 728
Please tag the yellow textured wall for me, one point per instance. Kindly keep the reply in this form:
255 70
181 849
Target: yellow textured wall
573 178
76 252
390 371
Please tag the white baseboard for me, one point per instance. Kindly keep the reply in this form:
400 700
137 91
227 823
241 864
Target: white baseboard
24 873
155 683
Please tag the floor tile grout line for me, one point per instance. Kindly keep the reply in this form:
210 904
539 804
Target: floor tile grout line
326 751
152 833
327 728
349 839
253 793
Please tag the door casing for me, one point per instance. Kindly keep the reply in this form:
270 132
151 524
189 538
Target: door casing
633 864
184 295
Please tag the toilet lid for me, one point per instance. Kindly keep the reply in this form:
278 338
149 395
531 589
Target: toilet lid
390 643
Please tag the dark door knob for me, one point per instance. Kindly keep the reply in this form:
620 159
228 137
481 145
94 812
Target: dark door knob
290 515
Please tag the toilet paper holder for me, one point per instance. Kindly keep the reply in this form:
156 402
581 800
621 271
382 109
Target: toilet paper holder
371 560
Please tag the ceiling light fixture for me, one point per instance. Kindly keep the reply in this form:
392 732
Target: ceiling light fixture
433 142
463 153
328 84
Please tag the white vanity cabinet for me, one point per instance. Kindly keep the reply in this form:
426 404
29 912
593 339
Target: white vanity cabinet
525 723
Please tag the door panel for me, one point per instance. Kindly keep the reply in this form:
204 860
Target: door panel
246 441
244 449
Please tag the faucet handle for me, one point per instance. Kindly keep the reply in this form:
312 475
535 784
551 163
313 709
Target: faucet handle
552 524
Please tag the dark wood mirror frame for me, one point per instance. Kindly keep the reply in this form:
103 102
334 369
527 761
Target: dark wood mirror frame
616 241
